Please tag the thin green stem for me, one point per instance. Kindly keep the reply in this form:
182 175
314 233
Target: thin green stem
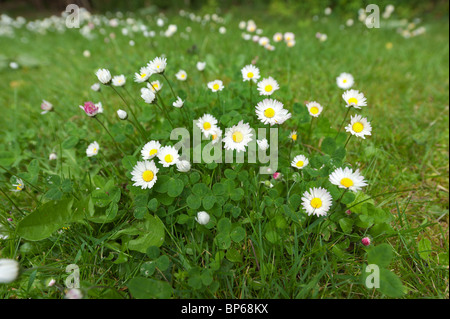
112 138
12 202
170 85
348 139
343 121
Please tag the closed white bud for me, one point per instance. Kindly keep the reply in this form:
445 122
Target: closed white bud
183 166
202 218
122 114
9 270
103 76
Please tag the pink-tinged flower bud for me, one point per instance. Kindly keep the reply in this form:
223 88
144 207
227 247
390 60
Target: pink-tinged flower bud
92 109
276 175
348 212
365 241
46 107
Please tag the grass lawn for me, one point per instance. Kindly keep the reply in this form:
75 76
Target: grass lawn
260 243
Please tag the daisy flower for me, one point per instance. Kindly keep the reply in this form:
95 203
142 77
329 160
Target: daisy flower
181 75
271 112
92 149
238 136
317 201
103 75
201 66
345 81
143 75
168 155
267 86
144 174
300 162
314 109
95 87
158 65
118 80
359 126
46 107
216 135
346 178
148 95
263 144
92 109
289 36
19 185
155 86
178 103
250 73
216 85
277 37
290 43
354 98
150 150
207 124
293 136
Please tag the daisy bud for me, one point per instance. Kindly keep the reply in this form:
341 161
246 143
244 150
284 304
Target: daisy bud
276 175
202 218
183 166
52 157
74 293
348 212
201 66
51 283
263 144
178 103
103 75
9 270
95 87
365 241
148 95
46 107
122 114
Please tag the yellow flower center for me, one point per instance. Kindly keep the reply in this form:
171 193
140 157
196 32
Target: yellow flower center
155 85
269 112
345 81
216 86
314 110
316 203
153 152
268 88
148 176
250 75
238 137
299 164
294 137
346 182
19 187
168 158
183 75
206 125
357 127
214 136
352 101
95 150
143 75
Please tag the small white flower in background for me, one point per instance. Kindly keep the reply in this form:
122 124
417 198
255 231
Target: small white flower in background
300 162
317 201
95 87
222 30
123 115
269 47
74 293
346 178
359 126
263 144
354 98
92 149
19 185
119 80
131 43
207 124
251 26
255 38
290 43
201 66
181 75
288 36
52 156
148 95
183 166
277 37
178 103
150 150
267 184
349 22
328 11
267 86
202 218
314 109
238 136
144 174
143 75
242 25
168 155
263 41
103 75
259 31
246 36
92 109
345 81
51 283
157 65
271 112
250 73
9 270
216 85
14 65
293 136
46 107
155 86
86 53
160 22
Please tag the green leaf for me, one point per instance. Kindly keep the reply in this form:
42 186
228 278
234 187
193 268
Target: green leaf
229 173
153 252
209 201
237 234
146 288
348 198
45 220
424 248
7 158
200 190
162 262
176 187
390 284
233 255
346 225
223 240
153 205
380 255
237 194
194 201
129 162
151 233
224 225
194 177
53 194
329 145
70 142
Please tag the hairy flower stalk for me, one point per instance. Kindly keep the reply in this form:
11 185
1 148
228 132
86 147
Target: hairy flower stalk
343 121
112 138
